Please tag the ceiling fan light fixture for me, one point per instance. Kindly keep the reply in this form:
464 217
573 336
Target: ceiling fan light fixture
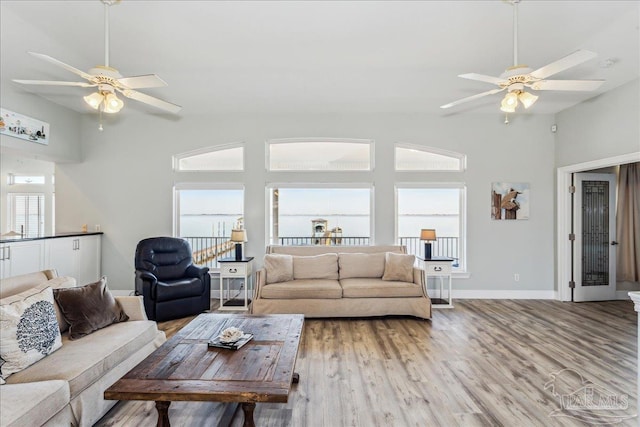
527 99
94 100
112 104
509 103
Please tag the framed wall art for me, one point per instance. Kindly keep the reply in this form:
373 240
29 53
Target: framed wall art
509 200
23 127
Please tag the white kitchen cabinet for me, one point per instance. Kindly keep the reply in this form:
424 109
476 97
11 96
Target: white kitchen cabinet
75 256
21 257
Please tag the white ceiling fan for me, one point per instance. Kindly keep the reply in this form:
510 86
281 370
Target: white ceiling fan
108 80
518 77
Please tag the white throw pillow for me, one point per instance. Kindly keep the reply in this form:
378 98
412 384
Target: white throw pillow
398 267
279 268
28 329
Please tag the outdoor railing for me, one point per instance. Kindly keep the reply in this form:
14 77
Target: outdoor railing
207 250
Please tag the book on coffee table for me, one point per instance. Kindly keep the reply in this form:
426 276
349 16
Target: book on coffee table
217 343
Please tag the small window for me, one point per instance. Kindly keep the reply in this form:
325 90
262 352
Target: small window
221 158
319 155
25 179
411 157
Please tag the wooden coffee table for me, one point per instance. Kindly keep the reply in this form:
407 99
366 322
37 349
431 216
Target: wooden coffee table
185 369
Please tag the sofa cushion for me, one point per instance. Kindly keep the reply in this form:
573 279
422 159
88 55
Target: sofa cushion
32 404
28 329
304 288
82 362
361 265
89 308
378 288
279 268
177 289
398 267
323 266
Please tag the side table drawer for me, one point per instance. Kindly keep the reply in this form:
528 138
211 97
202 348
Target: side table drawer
236 269
438 268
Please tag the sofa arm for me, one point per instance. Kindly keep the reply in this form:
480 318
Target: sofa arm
261 281
133 306
418 277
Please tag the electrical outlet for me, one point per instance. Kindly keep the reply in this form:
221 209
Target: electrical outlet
516 277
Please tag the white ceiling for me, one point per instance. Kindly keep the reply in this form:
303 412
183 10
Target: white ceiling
318 56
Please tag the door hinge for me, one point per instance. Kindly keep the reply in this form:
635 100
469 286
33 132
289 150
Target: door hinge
572 284
572 189
572 237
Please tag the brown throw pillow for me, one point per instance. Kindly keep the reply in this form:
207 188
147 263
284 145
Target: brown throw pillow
89 308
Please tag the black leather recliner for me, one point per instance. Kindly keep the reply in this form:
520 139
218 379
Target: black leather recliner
170 284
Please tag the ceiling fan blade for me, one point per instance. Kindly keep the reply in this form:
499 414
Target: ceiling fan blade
576 85
142 82
484 78
54 83
153 101
576 58
471 98
62 65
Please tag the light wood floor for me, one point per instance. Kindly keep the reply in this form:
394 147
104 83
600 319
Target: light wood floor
483 363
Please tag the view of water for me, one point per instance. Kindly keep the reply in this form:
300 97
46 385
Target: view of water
300 225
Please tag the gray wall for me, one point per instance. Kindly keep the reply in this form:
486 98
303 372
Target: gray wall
125 182
601 127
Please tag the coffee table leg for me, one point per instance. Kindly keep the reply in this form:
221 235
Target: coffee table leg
248 408
296 378
163 413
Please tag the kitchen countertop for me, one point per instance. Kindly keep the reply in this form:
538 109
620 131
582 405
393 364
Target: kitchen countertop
14 239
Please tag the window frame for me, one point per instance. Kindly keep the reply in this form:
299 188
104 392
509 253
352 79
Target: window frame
11 212
269 186
211 149
461 270
432 150
278 141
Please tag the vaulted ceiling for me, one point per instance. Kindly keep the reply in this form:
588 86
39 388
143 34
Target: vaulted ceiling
318 56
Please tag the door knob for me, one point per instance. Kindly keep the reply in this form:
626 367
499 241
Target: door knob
613 243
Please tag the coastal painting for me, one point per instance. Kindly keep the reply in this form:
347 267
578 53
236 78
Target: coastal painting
509 200
23 127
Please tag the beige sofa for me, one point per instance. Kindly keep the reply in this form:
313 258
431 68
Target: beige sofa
66 387
347 283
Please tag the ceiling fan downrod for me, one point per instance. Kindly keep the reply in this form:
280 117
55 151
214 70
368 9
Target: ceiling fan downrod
515 31
107 4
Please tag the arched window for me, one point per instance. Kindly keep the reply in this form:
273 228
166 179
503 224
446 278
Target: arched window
313 154
229 157
411 157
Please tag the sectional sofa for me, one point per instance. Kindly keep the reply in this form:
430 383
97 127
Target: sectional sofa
340 281
66 387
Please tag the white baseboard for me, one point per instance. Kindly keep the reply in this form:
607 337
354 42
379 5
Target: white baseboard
623 295
503 294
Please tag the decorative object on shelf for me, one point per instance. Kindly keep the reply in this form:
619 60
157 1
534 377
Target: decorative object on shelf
509 200
428 235
23 127
238 236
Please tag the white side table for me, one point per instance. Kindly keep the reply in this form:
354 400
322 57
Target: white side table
231 269
439 267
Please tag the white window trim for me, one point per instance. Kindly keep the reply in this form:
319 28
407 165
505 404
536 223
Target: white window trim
356 185
200 186
460 272
433 150
270 142
211 149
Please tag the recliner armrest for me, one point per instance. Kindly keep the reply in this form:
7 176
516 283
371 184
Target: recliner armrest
146 276
195 271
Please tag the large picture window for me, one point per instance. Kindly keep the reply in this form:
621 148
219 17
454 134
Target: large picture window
205 216
314 215
433 206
